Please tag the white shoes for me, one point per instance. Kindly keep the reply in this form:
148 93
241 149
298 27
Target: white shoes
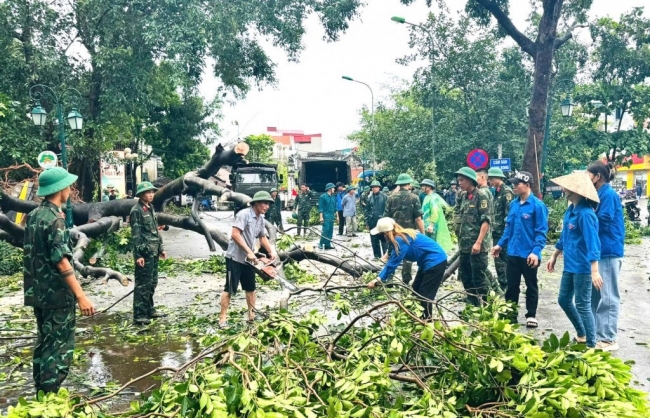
607 346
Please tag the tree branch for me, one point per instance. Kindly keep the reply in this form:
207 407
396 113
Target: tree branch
526 44
565 38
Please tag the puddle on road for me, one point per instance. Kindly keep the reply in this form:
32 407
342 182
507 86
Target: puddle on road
106 360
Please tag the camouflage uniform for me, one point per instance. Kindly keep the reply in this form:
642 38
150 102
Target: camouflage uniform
365 206
303 209
502 198
493 281
470 212
404 207
47 242
147 244
274 214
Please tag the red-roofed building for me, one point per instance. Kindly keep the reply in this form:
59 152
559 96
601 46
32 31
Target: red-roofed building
291 141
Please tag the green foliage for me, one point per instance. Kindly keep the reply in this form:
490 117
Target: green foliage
287 366
479 90
261 148
171 208
13 283
314 218
11 259
297 274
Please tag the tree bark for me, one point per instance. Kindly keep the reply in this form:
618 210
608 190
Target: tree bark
542 52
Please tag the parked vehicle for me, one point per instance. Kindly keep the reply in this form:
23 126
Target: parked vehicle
316 169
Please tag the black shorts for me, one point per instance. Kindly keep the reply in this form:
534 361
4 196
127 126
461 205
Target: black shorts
239 273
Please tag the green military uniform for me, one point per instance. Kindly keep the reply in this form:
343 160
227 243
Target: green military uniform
274 214
471 211
364 202
147 244
503 195
46 243
404 207
303 207
494 283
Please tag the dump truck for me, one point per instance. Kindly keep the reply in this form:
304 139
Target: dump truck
251 178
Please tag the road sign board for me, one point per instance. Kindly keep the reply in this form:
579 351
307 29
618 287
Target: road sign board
502 163
47 159
477 159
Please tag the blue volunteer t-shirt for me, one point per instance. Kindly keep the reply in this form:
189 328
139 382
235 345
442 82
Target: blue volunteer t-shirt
421 249
611 224
579 240
526 228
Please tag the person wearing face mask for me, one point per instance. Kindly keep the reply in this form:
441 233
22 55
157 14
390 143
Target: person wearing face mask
580 245
605 302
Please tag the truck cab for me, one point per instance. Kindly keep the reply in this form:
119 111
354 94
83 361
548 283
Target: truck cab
251 178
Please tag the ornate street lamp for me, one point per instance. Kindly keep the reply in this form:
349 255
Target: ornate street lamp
39 116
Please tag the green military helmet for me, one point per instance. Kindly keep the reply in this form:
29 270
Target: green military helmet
375 184
329 186
415 184
54 180
467 172
350 188
273 190
428 182
262 196
145 186
496 172
294 215
404 179
366 188
385 189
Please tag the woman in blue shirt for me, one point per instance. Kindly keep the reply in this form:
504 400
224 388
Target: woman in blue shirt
605 303
581 247
408 244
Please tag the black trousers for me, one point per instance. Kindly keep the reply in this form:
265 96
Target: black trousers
379 244
341 222
517 267
426 285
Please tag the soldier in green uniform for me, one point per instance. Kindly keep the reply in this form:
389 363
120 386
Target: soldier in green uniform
274 214
484 187
503 195
405 208
472 218
50 285
302 208
363 203
327 209
147 248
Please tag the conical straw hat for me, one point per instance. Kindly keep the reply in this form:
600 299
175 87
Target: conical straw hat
580 183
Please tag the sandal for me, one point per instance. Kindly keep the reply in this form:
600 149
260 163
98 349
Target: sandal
580 340
531 323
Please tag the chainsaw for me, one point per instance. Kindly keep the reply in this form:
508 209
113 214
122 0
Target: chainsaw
271 270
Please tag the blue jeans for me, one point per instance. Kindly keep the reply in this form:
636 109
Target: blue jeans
578 286
605 303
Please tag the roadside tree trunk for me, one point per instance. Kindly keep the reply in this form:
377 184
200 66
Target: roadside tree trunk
542 51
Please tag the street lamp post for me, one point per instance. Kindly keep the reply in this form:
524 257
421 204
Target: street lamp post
567 110
372 107
39 116
403 21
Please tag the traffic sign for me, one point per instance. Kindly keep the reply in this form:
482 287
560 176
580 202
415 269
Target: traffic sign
502 163
477 159
47 159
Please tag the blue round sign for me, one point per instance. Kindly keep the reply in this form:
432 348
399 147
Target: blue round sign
477 159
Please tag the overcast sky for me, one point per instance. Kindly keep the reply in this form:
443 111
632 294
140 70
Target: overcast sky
311 96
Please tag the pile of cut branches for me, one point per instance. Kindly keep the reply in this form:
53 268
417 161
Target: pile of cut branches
384 362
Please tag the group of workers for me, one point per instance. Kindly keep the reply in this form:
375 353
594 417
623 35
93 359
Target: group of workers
509 223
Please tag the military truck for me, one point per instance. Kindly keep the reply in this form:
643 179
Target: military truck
251 178
316 169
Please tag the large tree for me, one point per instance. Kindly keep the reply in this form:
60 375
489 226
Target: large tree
111 51
542 43
479 91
